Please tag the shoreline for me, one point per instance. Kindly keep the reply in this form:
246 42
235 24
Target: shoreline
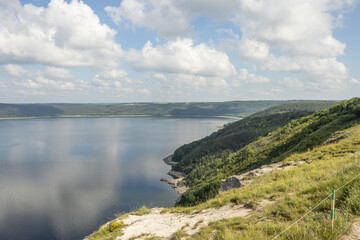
177 177
120 116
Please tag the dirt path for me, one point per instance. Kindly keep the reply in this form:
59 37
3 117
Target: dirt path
355 232
165 225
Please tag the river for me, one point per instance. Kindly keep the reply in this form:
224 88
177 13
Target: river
62 178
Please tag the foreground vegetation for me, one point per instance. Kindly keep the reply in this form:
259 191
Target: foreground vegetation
293 192
237 109
328 141
233 150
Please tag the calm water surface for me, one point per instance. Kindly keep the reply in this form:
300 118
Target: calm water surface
63 178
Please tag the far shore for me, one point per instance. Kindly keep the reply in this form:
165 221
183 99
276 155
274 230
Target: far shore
120 116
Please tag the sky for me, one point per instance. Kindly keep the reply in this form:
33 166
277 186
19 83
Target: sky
113 51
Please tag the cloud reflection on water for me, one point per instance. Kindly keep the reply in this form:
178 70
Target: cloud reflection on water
67 176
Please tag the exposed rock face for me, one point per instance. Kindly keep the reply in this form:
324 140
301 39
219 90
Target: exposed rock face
231 183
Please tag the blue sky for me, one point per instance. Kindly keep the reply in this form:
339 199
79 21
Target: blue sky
178 50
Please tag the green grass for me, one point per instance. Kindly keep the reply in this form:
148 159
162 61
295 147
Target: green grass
180 234
142 211
108 231
295 191
329 143
296 136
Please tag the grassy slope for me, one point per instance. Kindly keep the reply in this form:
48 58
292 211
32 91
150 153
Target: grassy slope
294 192
235 136
297 136
231 138
333 159
235 109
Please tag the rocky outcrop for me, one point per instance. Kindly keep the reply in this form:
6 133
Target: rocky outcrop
246 178
168 160
231 183
176 182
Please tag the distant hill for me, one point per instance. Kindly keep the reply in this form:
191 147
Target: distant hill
238 109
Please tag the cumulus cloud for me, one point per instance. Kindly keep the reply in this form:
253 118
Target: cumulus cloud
199 82
354 81
214 8
170 19
323 70
114 74
301 31
54 72
111 79
182 56
63 34
245 76
160 16
14 70
2 86
251 49
298 31
291 82
43 83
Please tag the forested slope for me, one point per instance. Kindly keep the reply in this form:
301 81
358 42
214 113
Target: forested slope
236 135
317 153
297 136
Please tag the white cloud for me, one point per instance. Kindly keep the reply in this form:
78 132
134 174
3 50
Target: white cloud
214 8
63 34
354 80
2 85
301 32
169 18
182 56
160 16
114 74
31 93
41 82
245 76
157 76
15 70
199 82
280 34
54 72
111 79
291 82
325 70
251 49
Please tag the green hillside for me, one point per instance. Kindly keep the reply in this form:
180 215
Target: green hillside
238 134
299 135
287 203
293 195
308 106
238 109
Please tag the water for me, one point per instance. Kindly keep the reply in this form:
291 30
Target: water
63 178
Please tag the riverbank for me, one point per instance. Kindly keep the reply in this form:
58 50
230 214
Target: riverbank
177 177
